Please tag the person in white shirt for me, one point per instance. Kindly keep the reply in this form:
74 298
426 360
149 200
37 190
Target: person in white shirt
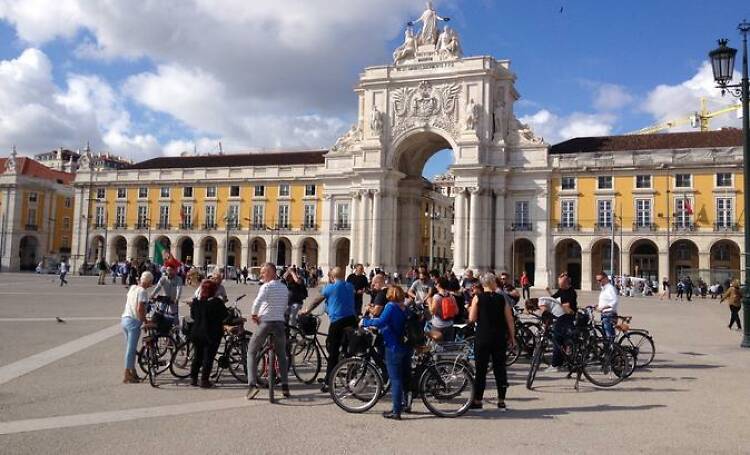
63 272
132 319
608 304
268 311
217 277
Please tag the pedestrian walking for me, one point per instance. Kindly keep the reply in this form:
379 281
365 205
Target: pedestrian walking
733 296
131 321
609 303
689 288
245 273
664 289
680 290
101 265
392 324
339 298
525 285
495 332
359 281
208 313
268 311
63 272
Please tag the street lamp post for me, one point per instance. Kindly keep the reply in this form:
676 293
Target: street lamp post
722 62
148 228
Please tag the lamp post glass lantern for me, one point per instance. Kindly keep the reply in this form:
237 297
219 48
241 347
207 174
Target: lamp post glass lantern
722 62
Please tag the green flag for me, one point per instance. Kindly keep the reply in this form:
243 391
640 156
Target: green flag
159 253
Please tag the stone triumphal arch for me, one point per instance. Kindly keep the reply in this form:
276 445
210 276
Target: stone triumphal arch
432 98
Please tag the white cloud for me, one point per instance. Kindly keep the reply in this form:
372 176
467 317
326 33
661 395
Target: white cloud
37 115
555 128
611 97
678 102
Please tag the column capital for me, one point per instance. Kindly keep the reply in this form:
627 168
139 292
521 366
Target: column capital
500 192
474 190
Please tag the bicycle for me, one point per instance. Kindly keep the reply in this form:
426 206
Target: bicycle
637 342
602 363
149 352
306 352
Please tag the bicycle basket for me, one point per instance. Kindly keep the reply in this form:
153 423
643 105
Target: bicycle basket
582 320
359 342
308 324
234 317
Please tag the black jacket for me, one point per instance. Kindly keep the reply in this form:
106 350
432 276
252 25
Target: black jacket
208 320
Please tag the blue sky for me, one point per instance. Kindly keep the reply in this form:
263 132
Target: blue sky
146 78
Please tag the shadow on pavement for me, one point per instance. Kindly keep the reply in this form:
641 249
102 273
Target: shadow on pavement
541 413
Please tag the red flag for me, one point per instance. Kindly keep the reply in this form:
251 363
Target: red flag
182 213
687 206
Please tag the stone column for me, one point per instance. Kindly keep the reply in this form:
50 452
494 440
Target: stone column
543 260
326 226
11 210
475 227
499 231
625 262
131 250
221 253
664 266
355 222
245 259
297 255
377 228
586 272
459 248
363 231
704 261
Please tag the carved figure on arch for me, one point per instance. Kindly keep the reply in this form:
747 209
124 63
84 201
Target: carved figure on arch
10 163
408 49
473 114
345 142
376 121
429 20
448 44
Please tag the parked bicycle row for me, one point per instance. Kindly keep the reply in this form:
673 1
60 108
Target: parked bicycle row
434 342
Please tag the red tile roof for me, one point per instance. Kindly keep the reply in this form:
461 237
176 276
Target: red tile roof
32 168
234 160
728 137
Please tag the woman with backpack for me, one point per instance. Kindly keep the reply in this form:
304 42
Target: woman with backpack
392 325
495 331
208 313
444 309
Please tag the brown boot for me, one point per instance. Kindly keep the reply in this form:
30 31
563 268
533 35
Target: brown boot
134 372
126 378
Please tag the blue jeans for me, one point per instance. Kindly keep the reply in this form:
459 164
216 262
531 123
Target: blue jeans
132 330
609 320
398 364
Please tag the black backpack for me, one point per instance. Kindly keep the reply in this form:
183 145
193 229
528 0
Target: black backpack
413 331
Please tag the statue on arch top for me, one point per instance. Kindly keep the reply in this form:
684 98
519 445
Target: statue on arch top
448 45
429 20
408 49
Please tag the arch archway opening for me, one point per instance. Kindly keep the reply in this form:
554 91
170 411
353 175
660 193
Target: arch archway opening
97 249
185 250
603 260
283 252
210 250
257 252
28 252
683 259
341 252
725 262
644 260
119 249
523 259
568 259
309 253
234 252
140 248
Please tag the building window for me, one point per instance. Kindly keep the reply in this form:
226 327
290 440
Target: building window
99 217
233 216
68 202
643 212
164 192
258 217
66 223
143 192
100 193
283 190
120 216
721 252
187 191
342 215
186 215
234 191
309 190
283 216
683 251
142 216
523 218
723 212
604 213
260 190
724 179
683 212
33 197
210 216
604 182
210 191
682 181
643 181
164 216
309 216
567 213
568 183
122 193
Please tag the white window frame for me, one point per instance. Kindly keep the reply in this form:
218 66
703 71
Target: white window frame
164 214
522 217
233 215
187 215
288 190
309 215
283 216
239 191
604 217
689 177
343 216
643 215
162 191
210 215
99 215
259 191
142 215
141 190
724 216
209 190
650 182
314 190
101 193
259 212
124 193
599 182
562 185
568 218
120 215
681 218
731 180
185 190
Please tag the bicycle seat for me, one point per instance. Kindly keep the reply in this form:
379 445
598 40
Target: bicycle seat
625 318
149 326
234 329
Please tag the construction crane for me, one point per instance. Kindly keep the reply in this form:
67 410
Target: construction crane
700 119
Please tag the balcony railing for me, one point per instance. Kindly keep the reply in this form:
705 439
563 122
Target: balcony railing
31 227
121 225
186 225
282 226
100 226
342 227
726 227
645 227
233 225
568 227
141 225
163 226
309 227
684 226
209 226
258 227
603 226
521 226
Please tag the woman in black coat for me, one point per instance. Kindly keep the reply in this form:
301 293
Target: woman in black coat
208 314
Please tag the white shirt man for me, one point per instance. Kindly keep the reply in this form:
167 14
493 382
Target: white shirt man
609 301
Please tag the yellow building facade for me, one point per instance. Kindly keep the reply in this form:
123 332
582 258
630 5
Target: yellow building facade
672 202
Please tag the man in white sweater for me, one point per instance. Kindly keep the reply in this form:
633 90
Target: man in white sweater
609 303
268 312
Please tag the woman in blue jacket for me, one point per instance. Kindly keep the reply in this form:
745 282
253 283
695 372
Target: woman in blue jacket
391 324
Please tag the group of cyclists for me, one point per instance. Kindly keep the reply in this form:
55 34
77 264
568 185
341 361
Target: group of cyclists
440 305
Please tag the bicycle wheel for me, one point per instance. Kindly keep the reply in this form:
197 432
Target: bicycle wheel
271 375
512 353
609 368
536 361
264 366
305 359
643 345
181 361
355 385
447 388
526 337
237 357
151 353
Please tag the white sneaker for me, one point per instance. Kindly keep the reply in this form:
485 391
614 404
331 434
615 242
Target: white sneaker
551 369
